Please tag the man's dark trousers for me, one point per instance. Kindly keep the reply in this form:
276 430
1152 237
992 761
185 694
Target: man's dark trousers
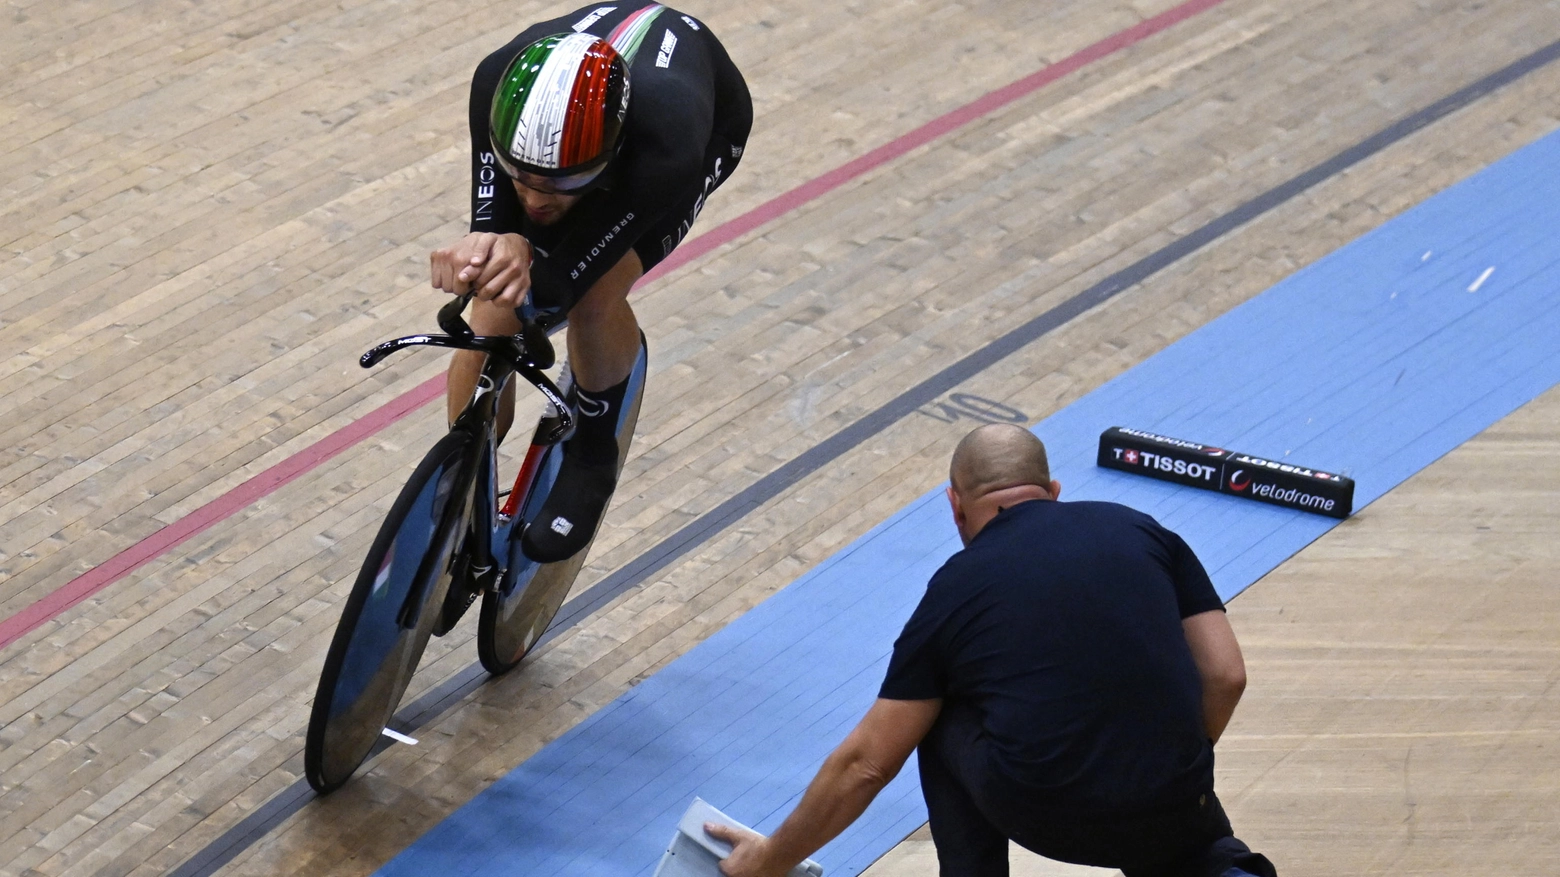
974 814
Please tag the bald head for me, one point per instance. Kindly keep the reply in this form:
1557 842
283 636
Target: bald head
995 457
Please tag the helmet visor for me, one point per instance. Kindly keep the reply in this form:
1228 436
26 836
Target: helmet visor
569 184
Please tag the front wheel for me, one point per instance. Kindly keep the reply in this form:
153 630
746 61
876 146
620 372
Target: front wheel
390 614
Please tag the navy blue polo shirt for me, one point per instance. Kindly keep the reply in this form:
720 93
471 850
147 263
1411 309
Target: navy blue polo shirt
1061 624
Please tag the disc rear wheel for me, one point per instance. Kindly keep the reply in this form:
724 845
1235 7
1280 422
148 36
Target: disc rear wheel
519 611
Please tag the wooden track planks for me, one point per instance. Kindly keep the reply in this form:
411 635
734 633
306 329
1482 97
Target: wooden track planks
1406 671
285 231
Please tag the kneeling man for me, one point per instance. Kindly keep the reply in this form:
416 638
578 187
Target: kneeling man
1064 678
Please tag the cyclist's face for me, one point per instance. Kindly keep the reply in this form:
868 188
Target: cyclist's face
542 207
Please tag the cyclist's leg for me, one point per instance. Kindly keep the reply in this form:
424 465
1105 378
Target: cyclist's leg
604 344
485 318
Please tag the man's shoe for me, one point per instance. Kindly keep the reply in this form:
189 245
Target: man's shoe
573 508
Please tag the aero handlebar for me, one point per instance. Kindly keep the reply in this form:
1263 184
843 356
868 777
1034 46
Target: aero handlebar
527 353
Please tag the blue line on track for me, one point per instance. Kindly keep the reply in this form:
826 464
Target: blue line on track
1374 361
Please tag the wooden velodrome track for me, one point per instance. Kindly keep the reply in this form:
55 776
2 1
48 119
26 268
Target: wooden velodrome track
208 210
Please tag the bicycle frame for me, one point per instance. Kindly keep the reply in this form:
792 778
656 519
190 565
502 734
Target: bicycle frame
524 354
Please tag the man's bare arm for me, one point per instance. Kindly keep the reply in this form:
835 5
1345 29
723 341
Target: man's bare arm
1220 665
850 778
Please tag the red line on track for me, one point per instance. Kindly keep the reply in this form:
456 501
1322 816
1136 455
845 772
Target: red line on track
267 482
219 509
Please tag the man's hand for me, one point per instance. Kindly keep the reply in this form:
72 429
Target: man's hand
496 266
749 852
850 778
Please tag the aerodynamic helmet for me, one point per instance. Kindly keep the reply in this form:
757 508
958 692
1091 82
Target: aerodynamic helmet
558 110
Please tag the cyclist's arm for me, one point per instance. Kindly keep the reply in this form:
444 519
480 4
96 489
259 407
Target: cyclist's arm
494 257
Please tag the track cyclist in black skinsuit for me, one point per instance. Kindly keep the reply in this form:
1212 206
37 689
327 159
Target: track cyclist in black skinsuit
595 139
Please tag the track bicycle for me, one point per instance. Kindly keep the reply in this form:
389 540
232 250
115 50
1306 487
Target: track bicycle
446 541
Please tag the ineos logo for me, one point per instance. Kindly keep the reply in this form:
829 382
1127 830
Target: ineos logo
482 204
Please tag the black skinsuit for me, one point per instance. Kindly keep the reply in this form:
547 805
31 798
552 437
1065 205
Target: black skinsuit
688 118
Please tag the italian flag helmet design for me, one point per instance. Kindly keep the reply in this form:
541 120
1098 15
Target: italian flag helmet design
559 107
630 33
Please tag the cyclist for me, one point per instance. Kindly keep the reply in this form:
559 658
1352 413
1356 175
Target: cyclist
596 138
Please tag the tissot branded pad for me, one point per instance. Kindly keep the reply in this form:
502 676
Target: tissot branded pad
1232 472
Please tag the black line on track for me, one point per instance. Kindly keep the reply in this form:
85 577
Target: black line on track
698 531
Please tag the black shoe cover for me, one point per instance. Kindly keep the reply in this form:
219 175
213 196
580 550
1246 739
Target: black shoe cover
573 508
